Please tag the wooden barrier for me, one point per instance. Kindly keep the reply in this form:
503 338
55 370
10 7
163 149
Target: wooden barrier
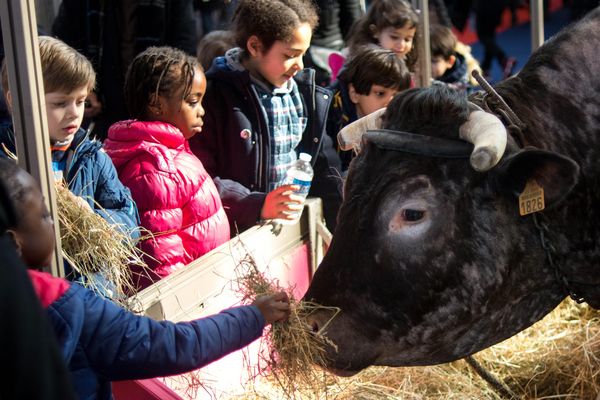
208 285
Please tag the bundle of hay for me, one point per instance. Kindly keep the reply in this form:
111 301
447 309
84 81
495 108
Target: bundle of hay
96 250
557 358
291 351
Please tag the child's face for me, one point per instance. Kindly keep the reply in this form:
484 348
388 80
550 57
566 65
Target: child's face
439 66
185 114
284 59
34 234
399 40
65 113
378 97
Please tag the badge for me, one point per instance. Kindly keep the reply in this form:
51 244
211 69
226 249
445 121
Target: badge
245 134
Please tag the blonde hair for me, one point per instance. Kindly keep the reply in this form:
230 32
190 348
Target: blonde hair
64 69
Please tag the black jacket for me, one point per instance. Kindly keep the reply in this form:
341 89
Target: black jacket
234 145
94 29
336 17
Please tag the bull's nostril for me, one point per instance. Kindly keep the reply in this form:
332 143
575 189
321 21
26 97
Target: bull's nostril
315 327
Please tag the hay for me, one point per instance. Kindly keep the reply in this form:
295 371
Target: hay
92 245
291 351
557 358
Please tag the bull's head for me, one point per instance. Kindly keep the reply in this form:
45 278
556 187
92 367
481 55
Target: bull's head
430 260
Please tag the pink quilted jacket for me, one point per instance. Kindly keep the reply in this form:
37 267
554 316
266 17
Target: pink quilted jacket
176 198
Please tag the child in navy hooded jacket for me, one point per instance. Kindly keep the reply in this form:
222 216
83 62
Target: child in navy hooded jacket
102 342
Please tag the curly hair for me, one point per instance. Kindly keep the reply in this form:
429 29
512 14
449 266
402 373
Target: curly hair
158 71
384 14
271 20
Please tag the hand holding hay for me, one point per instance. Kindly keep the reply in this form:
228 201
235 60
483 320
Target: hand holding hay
294 349
275 307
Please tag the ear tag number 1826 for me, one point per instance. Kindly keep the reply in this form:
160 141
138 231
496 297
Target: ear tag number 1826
532 198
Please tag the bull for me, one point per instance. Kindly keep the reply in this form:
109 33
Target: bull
431 260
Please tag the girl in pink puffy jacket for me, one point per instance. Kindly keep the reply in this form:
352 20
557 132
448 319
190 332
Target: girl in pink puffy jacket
176 198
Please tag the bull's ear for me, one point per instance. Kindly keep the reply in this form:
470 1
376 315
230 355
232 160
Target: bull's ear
555 173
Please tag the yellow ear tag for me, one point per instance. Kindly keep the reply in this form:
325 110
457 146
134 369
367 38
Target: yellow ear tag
532 198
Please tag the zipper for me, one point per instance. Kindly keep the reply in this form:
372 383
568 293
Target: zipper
259 137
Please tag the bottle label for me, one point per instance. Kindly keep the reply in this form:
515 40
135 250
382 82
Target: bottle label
304 186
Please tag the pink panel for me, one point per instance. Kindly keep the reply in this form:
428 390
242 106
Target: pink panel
227 375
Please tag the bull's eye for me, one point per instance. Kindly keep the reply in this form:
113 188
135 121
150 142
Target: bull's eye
410 215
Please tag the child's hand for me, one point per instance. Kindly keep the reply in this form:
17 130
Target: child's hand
274 307
282 203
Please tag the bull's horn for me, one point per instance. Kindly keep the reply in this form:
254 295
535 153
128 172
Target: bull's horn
350 136
488 135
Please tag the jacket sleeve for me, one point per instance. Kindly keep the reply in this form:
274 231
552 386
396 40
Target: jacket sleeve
241 205
121 345
327 182
114 198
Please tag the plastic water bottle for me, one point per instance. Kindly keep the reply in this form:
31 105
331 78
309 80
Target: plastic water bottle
301 174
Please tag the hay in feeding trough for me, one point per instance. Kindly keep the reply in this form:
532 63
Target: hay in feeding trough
293 350
93 246
557 358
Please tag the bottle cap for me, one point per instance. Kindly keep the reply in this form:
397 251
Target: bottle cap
305 157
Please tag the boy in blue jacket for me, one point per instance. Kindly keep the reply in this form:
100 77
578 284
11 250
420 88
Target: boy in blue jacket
89 173
102 342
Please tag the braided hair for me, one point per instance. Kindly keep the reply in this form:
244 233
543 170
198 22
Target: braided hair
158 71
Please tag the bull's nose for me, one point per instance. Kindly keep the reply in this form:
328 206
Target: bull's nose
314 325
319 320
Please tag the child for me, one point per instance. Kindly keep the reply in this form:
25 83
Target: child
391 24
177 200
68 78
212 45
102 342
262 110
37 370
447 65
367 83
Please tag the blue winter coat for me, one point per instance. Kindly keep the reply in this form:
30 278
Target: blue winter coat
234 144
101 342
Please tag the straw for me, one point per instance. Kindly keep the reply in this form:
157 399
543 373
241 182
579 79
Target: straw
291 351
94 246
557 358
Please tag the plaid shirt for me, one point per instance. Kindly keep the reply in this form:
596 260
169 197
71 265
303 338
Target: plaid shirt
285 115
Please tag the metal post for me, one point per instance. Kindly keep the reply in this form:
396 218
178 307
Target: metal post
22 57
537 24
424 62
